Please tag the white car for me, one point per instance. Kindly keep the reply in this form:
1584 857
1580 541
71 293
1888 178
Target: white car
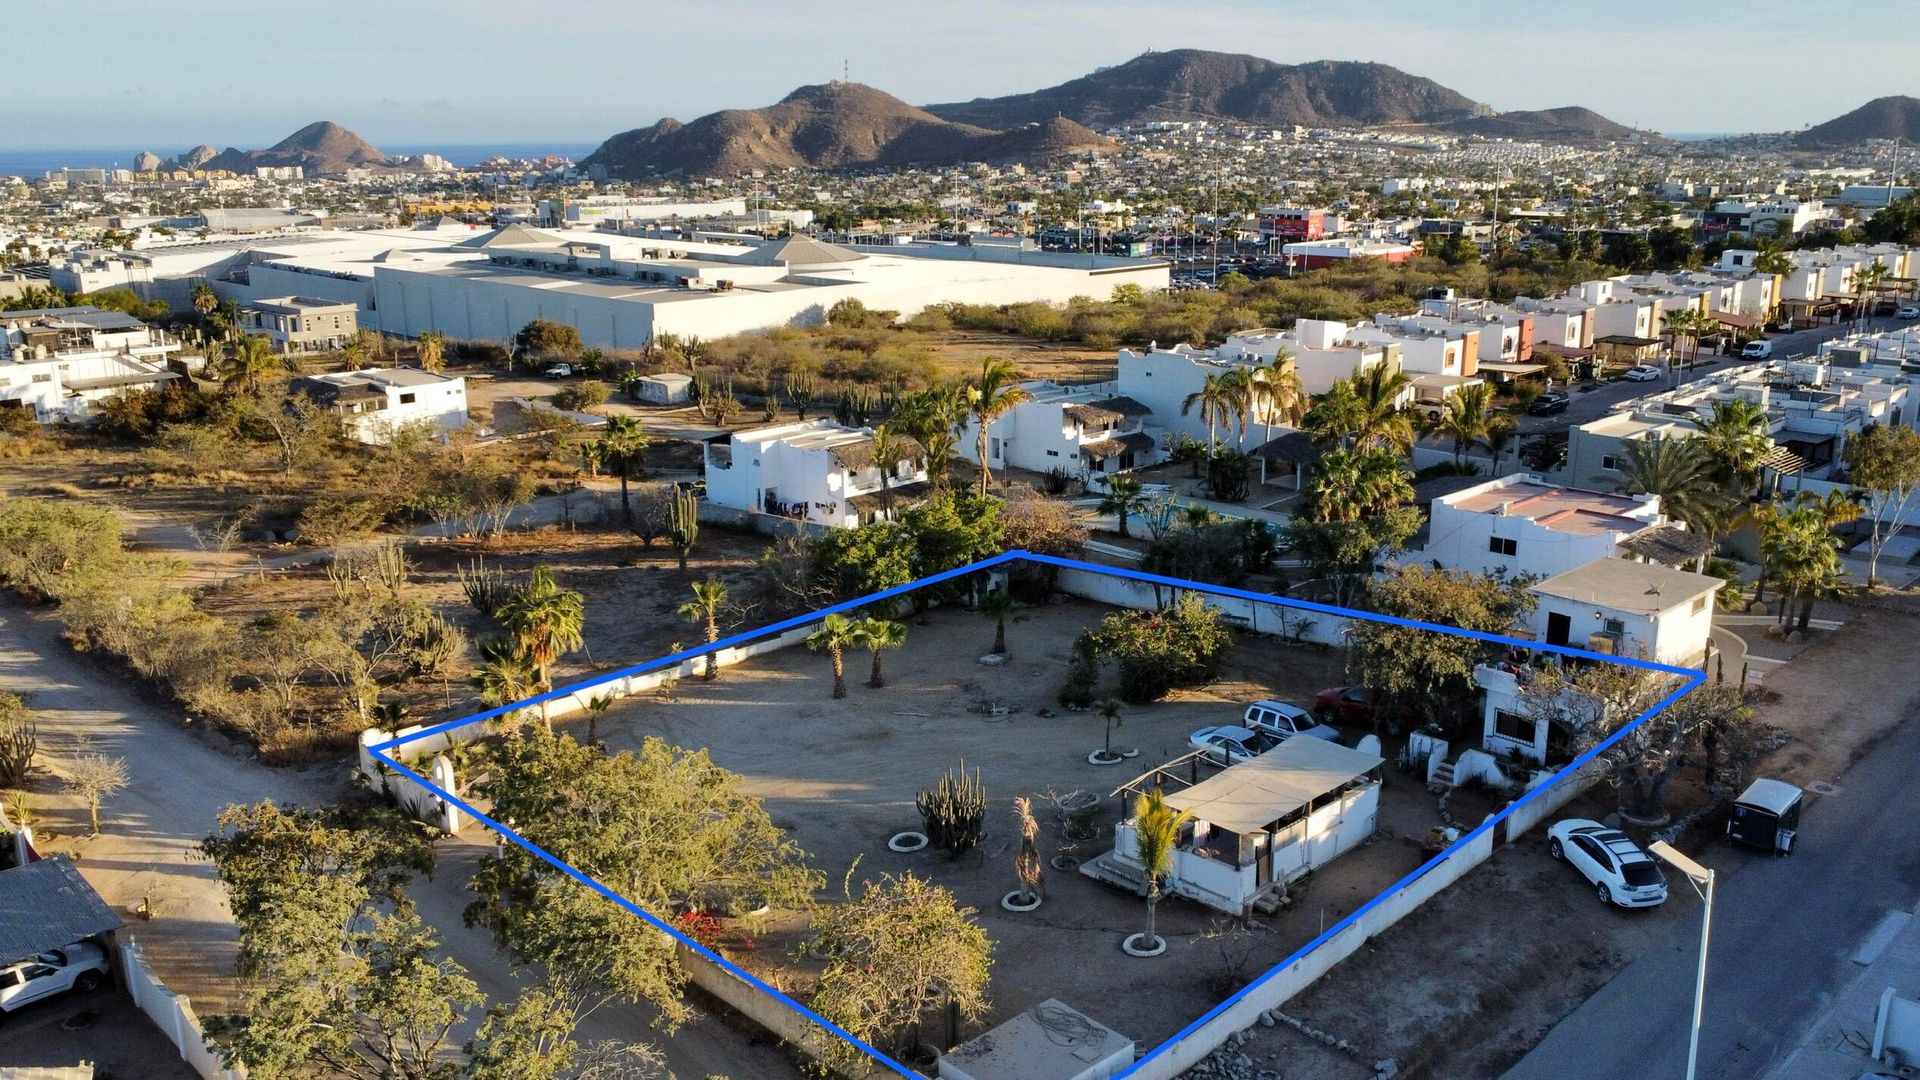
81 966
1231 745
1908 312
1620 872
1641 373
1757 350
558 371
1282 720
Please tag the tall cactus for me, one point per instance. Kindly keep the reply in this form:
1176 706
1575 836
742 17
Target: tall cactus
683 523
955 811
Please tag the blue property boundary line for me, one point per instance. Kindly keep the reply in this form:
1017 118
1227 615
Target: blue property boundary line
380 751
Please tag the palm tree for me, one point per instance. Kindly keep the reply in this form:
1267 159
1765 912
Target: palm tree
249 360
997 392
1215 399
1277 391
834 637
1353 485
1501 428
622 445
1109 711
430 350
546 620
996 605
704 608
1866 282
1156 830
1378 390
1236 388
1681 473
505 674
1690 323
1771 258
1124 497
1737 439
888 452
1799 554
1467 418
878 635
596 707
205 300
1336 416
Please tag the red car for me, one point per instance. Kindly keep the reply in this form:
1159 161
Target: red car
1352 706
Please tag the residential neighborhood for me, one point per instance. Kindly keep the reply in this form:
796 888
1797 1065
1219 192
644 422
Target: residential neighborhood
1229 565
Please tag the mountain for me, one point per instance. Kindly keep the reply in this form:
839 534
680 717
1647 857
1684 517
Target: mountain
1193 84
1896 117
827 126
1571 124
322 148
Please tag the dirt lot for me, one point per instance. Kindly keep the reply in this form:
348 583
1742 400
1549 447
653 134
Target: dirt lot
842 776
1469 983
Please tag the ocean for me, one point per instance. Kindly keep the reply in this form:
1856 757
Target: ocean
35 163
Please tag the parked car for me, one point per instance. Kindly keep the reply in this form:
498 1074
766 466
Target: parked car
1757 350
1553 401
558 371
1283 720
1230 745
1641 373
1910 311
81 966
1619 871
1353 706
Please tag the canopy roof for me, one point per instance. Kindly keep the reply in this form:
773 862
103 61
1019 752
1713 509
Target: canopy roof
1254 794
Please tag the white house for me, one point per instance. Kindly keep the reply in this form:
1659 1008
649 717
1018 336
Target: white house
375 403
819 471
1520 525
58 361
1083 430
1257 825
1626 608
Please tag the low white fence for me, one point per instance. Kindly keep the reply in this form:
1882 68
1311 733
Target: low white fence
1265 617
1562 792
172 1014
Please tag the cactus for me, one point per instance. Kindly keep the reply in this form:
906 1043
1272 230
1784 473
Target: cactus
19 741
683 523
486 587
955 811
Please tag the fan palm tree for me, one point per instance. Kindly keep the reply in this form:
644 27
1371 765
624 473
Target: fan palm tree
1737 438
1681 473
596 708
1799 554
1156 830
1466 419
1771 258
1866 282
992 397
505 674
248 361
704 608
1501 428
1353 485
1336 416
1124 497
1109 711
996 606
623 444
878 635
1215 400
1689 323
1238 394
834 637
546 620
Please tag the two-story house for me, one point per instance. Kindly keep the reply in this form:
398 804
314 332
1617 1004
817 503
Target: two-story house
375 403
1084 431
59 361
819 471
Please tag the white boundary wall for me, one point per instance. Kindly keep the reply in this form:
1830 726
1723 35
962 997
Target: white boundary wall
1264 617
173 1014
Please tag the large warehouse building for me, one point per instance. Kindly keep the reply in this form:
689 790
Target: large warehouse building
619 290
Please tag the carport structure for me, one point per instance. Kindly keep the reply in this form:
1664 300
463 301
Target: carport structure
46 905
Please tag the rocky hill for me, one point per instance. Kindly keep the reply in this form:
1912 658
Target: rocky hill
1895 117
322 148
1571 124
833 125
1194 84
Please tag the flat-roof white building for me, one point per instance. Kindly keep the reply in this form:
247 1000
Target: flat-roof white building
819 471
1083 431
59 361
375 403
1520 525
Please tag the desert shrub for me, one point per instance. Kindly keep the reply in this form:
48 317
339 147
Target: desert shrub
329 519
1158 651
583 395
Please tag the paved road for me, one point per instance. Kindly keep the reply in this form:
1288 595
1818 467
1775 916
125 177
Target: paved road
181 780
1783 932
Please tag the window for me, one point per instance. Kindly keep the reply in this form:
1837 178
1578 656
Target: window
1503 545
1616 627
1610 463
407 399
1699 604
1053 453
1513 726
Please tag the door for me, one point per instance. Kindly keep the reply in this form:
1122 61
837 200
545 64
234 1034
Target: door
41 980
1559 628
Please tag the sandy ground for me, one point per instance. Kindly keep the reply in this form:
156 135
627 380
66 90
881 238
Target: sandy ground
104 1027
1468 984
842 776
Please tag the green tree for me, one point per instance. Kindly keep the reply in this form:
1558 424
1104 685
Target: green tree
708 597
878 635
835 636
1156 831
1799 554
1884 462
506 673
899 948
545 338
248 363
431 351
1125 497
545 620
1214 399
1109 712
992 396
1428 673
1466 419
1157 651
1736 438
1682 474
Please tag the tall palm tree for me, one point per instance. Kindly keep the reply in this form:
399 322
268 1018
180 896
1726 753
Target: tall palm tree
506 674
1125 496
1215 399
248 361
878 635
1681 473
1466 418
1771 258
597 707
1737 438
1277 391
934 418
1799 553
1156 835
834 637
430 351
623 445
1336 416
708 597
1866 282
1238 394
996 606
1501 428
546 620
888 451
997 392
1383 423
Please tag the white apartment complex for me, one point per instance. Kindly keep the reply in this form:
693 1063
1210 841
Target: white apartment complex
58 361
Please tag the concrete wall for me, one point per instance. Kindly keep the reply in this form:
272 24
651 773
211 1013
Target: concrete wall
172 1014
770 1014
1261 617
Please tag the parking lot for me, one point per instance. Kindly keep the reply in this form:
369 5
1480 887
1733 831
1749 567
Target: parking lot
841 776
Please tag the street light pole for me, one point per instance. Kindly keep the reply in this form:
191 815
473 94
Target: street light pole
1701 878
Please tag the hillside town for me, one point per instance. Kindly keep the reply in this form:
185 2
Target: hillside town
1214 568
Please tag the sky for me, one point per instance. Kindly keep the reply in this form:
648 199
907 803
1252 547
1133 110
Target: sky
134 74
